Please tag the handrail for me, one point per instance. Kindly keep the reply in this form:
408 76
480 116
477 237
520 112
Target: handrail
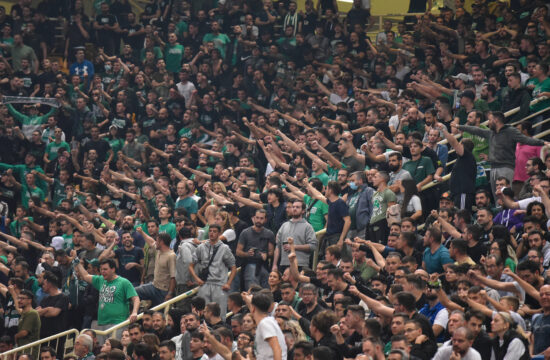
510 113
448 176
517 122
5 355
155 308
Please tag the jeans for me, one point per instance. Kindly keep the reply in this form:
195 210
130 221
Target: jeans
255 274
149 292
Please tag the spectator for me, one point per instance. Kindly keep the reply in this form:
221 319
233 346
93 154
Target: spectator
114 304
211 274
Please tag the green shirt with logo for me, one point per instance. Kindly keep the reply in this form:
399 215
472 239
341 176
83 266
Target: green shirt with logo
114 299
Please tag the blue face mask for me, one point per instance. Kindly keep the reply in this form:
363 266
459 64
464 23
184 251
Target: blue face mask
353 185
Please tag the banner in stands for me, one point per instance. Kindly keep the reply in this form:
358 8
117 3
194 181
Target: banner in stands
30 100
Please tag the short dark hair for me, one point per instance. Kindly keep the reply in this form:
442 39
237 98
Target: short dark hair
144 351
214 308
262 301
110 262
474 313
406 300
166 238
306 346
48 349
169 344
460 245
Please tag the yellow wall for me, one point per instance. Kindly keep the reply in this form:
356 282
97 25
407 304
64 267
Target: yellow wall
378 7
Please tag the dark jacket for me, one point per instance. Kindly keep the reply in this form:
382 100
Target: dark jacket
516 98
424 351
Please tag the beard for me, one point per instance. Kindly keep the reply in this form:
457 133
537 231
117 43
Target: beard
127 227
393 167
431 297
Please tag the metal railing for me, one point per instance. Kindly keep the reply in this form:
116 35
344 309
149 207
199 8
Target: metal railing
8 355
34 347
164 306
510 113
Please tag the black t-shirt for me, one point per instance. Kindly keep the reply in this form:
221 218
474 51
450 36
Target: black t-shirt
208 118
463 176
29 80
56 324
136 42
100 146
134 255
477 251
107 19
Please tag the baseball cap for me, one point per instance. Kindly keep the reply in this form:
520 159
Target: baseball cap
469 94
446 195
57 242
462 77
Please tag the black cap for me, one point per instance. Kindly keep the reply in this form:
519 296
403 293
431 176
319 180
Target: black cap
469 94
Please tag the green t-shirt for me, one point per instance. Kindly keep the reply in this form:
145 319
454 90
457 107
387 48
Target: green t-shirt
323 177
185 132
220 41
173 54
509 263
189 204
541 87
419 169
53 147
27 193
67 241
114 296
481 145
380 202
169 228
366 271
316 212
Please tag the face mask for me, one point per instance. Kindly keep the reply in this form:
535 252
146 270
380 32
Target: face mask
353 185
107 67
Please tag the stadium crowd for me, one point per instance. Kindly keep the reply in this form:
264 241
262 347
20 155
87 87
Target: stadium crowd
287 165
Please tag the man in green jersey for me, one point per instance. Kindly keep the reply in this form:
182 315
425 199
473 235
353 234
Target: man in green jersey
116 294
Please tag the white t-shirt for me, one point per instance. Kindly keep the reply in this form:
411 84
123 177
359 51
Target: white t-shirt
268 328
442 318
525 202
445 352
186 90
229 235
414 204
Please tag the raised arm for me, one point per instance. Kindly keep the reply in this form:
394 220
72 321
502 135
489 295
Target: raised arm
494 284
446 226
81 272
374 305
246 201
148 239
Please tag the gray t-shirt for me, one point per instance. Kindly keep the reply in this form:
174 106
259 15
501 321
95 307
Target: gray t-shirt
268 328
249 238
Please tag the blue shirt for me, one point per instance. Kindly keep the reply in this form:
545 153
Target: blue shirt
541 332
80 68
337 211
434 262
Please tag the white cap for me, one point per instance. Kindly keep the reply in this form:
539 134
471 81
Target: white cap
57 242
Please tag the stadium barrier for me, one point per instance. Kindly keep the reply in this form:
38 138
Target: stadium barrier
68 344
